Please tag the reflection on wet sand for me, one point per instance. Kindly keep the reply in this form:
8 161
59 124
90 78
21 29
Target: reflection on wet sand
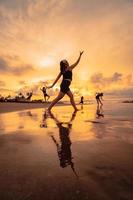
99 111
44 120
30 114
94 123
34 143
64 146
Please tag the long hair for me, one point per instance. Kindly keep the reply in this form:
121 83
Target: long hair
63 66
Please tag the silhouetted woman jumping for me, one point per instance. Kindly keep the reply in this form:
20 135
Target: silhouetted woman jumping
66 72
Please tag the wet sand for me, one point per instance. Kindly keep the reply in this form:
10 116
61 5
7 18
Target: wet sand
87 155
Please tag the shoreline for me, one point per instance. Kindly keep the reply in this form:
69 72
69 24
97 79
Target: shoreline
6 107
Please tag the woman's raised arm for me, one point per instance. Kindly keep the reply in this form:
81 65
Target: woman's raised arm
76 63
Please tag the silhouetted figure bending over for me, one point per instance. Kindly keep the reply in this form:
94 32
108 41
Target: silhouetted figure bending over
46 96
66 73
99 98
64 147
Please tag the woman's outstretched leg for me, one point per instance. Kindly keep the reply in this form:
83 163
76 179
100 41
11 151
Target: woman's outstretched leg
69 93
60 96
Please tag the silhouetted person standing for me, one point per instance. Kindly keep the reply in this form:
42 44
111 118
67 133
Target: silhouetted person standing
82 100
46 96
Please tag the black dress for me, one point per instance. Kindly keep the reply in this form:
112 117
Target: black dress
64 87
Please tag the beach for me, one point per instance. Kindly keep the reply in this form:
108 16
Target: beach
11 107
66 155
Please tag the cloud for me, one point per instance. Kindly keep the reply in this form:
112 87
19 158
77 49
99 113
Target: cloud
35 88
2 84
15 70
41 33
101 82
6 91
125 92
98 81
3 65
39 27
116 77
23 69
22 83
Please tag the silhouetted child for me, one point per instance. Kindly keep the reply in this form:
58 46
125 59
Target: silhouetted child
99 98
46 96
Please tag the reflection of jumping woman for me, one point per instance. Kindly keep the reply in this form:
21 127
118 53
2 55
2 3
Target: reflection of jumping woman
64 146
66 72
45 94
99 98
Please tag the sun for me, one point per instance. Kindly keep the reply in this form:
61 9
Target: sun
46 62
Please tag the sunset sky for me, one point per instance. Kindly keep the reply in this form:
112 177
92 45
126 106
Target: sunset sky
36 34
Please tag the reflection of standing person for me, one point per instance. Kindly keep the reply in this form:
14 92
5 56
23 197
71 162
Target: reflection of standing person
66 72
46 96
64 148
44 121
99 98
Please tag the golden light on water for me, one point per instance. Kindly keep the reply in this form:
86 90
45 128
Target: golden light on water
33 120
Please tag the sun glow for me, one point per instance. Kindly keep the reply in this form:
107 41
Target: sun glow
46 62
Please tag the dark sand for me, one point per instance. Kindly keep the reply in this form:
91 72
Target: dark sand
11 107
101 150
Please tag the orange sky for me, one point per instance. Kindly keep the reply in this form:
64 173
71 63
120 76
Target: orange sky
36 34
